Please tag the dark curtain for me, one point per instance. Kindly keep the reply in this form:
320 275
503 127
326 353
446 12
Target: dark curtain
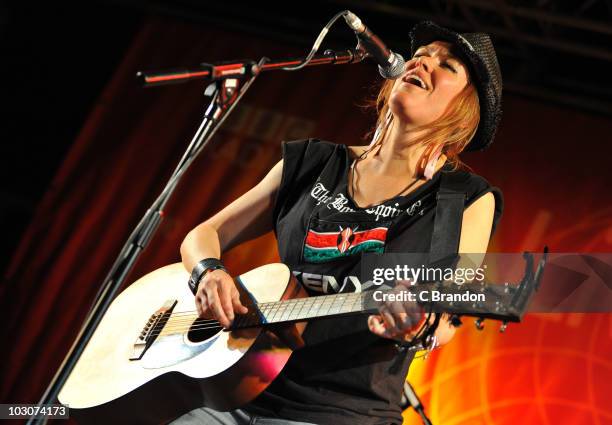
551 163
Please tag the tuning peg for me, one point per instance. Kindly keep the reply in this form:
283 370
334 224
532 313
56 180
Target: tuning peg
503 327
479 323
455 321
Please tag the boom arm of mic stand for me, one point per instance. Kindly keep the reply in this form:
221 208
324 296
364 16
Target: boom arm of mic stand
231 69
220 106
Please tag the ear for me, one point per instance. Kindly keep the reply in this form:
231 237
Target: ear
431 159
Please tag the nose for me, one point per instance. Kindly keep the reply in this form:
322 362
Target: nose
424 61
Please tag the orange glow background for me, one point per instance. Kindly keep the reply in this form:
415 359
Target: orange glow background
551 163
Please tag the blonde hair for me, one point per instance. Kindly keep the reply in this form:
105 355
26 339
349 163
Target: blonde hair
454 129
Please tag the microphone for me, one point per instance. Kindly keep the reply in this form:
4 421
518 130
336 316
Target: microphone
390 65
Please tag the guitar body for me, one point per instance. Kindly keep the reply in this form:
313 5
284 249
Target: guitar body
184 367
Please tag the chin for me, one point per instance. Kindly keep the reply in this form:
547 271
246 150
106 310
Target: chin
401 104
406 110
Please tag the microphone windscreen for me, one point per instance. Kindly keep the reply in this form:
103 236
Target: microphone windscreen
393 70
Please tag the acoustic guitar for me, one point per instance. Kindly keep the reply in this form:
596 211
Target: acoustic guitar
152 359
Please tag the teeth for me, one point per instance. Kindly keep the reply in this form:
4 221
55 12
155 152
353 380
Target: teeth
417 79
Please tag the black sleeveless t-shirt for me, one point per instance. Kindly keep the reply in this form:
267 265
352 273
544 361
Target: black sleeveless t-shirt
345 374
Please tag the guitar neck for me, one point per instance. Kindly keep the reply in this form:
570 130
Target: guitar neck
486 301
300 309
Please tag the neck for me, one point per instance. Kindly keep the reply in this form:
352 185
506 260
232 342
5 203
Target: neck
400 151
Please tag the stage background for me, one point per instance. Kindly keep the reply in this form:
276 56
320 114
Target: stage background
551 163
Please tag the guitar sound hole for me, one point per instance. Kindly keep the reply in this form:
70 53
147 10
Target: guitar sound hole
201 330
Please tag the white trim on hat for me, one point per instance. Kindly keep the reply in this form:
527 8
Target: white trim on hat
466 42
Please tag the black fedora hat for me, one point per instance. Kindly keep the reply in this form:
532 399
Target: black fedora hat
476 49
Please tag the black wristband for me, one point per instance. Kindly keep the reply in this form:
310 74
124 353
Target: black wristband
200 269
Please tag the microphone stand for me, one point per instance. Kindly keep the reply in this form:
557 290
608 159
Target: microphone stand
229 82
410 396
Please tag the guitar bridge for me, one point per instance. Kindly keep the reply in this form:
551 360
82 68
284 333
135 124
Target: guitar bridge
152 329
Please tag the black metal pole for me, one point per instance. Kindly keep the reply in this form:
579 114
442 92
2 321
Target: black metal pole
415 402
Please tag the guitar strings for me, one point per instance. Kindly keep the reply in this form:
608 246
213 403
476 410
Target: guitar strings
276 308
188 320
195 326
279 304
193 323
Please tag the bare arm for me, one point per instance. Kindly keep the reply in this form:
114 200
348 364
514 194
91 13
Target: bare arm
477 224
246 218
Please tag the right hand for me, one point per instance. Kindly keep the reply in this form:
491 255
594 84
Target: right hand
396 319
218 298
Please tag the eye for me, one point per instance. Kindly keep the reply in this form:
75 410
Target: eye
449 66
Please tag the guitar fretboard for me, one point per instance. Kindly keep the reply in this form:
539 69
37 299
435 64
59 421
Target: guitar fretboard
298 309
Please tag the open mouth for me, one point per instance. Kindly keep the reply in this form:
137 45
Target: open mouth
415 80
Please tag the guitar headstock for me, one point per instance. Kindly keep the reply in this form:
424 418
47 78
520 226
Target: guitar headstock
505 302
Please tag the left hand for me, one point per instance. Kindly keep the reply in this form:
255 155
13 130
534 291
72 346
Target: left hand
397 320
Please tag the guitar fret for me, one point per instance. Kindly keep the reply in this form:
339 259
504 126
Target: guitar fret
359 301
346 307
299 314
290 305
350 300
269 311
324 306
330 301
315 307
295 313
340 303
356 306
310 312
321 306
336 304
304 309
295 310
282 309
276 311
